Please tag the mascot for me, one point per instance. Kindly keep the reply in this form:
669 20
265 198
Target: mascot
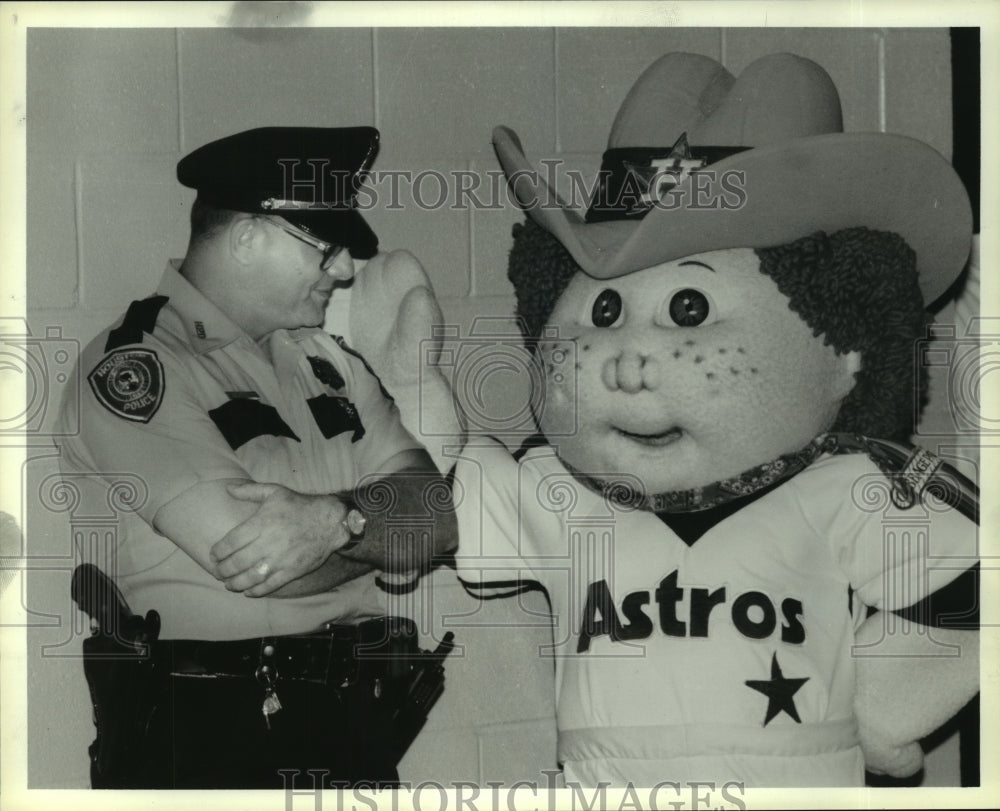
752 577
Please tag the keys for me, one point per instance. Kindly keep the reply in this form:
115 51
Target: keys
272 704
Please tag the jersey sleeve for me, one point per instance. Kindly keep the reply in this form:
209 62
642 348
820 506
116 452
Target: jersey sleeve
497 539
894 557
167 444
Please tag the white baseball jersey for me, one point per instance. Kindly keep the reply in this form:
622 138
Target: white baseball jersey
717 647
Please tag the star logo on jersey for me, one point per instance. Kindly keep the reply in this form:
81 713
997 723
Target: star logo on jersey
662 174
779 692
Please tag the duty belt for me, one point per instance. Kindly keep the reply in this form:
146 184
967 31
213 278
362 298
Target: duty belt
337 655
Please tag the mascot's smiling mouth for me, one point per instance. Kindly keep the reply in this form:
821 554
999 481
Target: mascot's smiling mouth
654 440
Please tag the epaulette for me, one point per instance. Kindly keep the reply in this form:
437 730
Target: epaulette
139 319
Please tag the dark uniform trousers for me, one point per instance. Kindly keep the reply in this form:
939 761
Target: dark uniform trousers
211 733
185 714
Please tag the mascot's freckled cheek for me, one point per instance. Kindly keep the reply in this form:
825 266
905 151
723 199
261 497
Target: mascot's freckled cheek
717 365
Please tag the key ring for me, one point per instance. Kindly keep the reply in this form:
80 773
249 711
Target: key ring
267 676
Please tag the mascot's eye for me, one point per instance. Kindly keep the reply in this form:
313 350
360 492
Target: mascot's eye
689 308
607 308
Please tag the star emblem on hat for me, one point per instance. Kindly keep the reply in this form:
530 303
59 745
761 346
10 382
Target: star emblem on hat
662 174
779 692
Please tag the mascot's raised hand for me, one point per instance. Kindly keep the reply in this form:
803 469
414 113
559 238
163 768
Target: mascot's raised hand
392 315
395 323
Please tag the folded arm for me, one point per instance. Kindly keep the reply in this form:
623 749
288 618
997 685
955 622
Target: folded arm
209 511
297 544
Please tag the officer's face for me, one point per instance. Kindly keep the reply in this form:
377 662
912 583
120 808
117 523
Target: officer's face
294 289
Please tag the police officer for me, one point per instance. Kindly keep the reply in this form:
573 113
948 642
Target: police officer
267 463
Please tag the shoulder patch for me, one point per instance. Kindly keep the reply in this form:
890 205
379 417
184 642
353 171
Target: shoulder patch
129 383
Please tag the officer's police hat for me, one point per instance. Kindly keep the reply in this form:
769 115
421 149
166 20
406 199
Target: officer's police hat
310 176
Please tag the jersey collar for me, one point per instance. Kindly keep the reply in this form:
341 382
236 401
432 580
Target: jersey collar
761 478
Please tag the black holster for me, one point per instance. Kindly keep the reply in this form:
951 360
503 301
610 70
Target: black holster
120 674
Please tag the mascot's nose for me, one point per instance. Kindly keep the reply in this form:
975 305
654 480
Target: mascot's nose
631 372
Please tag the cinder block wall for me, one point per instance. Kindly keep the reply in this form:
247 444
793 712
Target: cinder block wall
110 111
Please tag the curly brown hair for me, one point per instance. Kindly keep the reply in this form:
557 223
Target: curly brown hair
856 287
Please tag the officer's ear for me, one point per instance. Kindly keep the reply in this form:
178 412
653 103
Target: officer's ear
246 233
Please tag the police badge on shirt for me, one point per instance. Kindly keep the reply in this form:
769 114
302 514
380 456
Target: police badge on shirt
129 383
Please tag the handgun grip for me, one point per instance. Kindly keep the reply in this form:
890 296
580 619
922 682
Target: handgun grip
99 598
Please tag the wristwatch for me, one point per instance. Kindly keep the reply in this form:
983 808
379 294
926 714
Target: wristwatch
354 522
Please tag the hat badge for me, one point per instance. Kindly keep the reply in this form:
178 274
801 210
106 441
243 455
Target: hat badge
659 175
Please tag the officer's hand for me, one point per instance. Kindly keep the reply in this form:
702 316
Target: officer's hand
393 313
290 535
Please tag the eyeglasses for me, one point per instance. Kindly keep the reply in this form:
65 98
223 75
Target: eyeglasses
330 252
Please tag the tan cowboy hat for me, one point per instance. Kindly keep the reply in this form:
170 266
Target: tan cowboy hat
699 161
